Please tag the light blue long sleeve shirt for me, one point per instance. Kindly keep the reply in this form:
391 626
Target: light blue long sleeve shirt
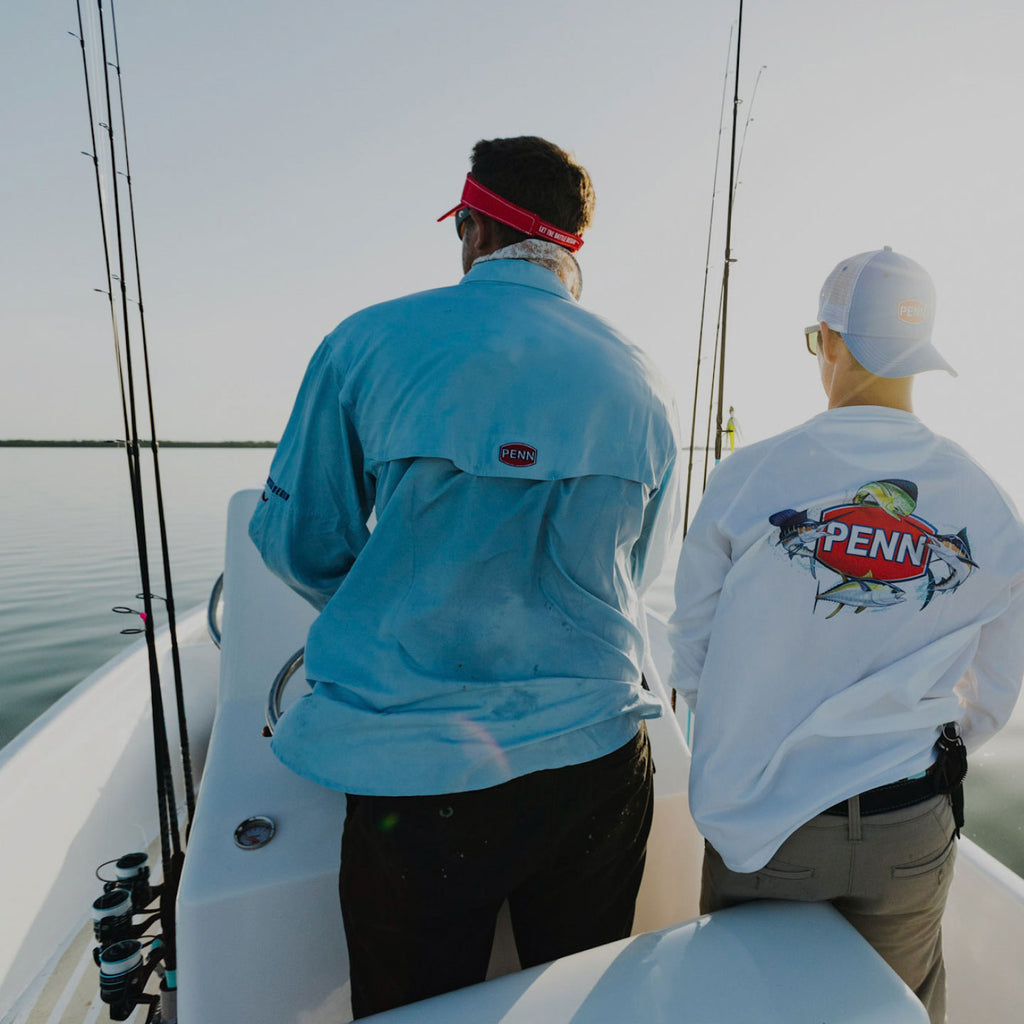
519 457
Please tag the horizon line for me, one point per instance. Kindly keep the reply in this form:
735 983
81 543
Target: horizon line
23 442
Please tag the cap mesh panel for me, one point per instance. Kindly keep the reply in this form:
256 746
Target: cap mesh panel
837 291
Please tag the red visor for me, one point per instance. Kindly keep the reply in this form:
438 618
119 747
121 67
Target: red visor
489 203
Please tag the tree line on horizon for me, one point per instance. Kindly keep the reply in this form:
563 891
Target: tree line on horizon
117 443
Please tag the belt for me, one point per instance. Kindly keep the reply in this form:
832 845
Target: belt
895 795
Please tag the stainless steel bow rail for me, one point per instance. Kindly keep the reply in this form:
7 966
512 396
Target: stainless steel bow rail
215 611
214 615
290 667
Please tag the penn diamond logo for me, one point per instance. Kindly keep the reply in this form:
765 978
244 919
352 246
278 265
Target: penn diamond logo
910 311
876 553
517 454
863 541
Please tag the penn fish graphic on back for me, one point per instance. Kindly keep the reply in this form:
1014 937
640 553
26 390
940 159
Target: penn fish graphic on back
860 594
954 552
798 535
877 546
897 497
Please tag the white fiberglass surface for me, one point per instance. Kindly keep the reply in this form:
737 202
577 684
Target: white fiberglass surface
77 788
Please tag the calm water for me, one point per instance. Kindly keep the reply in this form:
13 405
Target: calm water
67 556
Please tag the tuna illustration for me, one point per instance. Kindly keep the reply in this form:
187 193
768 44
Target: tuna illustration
860 594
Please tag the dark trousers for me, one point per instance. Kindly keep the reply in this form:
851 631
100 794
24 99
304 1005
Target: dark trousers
423 878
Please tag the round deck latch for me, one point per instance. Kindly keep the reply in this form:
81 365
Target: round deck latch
254 832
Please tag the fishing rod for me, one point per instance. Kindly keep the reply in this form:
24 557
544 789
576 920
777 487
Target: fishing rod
746 124
165 784
186 756
728 241
704 296
717 360
122 972
735 193
93 154
708 446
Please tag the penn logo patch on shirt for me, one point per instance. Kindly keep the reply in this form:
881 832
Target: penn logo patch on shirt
517 454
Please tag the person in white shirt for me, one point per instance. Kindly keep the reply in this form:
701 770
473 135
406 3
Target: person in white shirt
849 599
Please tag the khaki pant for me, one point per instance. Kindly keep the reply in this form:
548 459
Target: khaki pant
888 874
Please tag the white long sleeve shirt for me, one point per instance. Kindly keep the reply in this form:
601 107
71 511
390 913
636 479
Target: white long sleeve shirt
845 589
519 455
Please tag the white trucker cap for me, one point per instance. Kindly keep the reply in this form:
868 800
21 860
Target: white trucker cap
883 304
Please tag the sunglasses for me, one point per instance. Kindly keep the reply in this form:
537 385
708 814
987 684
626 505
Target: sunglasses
812 335
460 220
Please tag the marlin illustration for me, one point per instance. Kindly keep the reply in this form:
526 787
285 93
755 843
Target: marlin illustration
798 534
896 497
860 593
954 551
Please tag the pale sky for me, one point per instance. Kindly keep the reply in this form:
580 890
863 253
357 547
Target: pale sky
290 160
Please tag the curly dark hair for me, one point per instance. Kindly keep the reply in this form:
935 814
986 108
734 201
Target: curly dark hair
538 176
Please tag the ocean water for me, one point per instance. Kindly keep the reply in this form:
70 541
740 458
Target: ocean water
68 556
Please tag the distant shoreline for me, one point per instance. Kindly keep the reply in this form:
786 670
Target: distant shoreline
25 443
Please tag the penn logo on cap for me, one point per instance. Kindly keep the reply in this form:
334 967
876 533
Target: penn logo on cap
910 311
515 453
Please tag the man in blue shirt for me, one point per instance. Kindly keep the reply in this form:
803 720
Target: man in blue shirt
477 659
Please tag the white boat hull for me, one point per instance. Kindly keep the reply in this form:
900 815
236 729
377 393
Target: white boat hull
260 936
78 788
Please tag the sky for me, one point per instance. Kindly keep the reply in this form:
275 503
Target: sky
289 162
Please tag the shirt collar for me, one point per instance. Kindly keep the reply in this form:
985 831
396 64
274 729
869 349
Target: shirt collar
517 271
861 413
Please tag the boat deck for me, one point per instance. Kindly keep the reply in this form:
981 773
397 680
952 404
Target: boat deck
231 971
67 990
